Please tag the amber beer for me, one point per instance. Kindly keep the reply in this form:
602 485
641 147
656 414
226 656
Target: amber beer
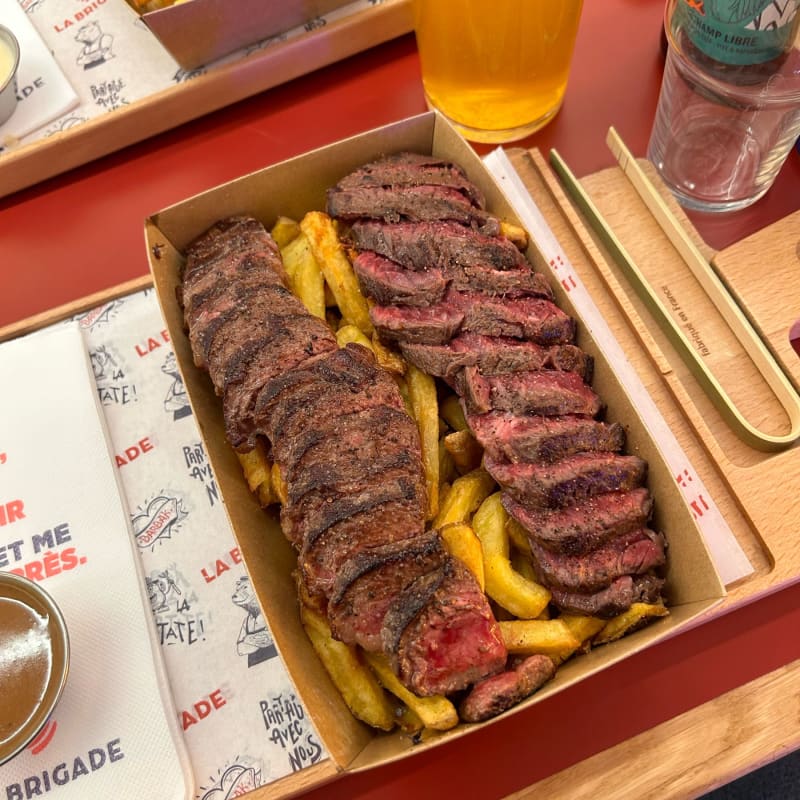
497 69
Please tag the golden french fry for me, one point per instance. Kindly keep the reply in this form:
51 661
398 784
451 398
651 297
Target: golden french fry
583 628
388 359
464 449
284 230
466 494
350 333
550 637
447 469
337 269
278 484
266 494
518 235
462 543
357 684
525 599
638 615
305 276
425 406
522 564
255 466
436 712
452 413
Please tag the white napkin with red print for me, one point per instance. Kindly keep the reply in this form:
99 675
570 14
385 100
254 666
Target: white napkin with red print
114 732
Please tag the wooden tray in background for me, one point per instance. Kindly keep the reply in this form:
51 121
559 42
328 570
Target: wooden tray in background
220 86
756 492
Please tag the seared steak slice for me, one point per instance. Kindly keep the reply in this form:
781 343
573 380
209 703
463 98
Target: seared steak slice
441 633
436 324
515 282
546 392
342 441
612 600
413 169
494 355
629 553
329 534
428 245
494 695
388 283
586 525
532 318
237 234
409 204
346 379
569 481
372 580
262 360
543 439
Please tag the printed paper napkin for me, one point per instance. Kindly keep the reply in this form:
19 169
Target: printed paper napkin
43 91
114 731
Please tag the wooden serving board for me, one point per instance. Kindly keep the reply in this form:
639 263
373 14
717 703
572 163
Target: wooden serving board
756 492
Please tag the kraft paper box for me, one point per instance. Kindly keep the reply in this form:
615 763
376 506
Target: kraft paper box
292 188
198 32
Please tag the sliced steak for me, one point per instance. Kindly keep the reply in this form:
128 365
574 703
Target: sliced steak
543 439
412 169
612 600
569 481
494 695
495 355
367 584
532 318
586 525
428 245
329 534
515 282
436 324
388 283
629 553
441 634
546 392
261 361
409 204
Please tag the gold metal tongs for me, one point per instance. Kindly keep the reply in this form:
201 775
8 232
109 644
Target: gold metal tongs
738 323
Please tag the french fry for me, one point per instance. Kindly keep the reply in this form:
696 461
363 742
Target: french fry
462 543
465 495
350 333
518 235
278 485
425 406
464 449
436 712
305 276
638 615
355 681
550 637
447 469
583 628
522 597
284 230
517 535
388 359
337 269
255 466
452 413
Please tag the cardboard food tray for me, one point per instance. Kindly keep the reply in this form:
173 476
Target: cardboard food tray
292 188
219 86
201 31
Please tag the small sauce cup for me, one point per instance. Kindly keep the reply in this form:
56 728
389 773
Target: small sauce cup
9 63
34 661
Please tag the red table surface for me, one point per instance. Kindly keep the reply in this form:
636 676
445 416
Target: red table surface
83 232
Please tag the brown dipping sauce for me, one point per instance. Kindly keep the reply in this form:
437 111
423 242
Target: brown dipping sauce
25 664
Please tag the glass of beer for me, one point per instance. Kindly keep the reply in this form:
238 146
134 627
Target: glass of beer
497 69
